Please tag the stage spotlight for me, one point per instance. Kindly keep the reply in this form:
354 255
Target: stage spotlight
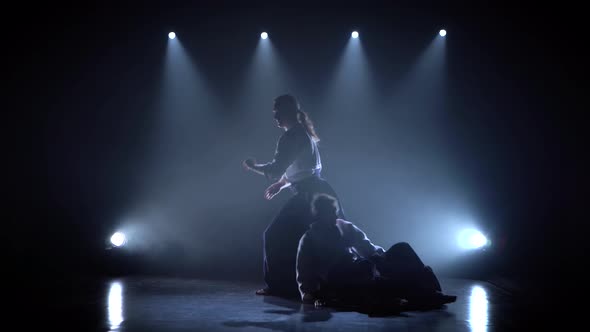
442 32
264 35
171 35
472 239
354 34
118 239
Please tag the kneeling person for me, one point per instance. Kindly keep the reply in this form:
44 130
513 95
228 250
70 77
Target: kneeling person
336 259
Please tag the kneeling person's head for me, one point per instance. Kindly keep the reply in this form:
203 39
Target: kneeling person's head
324 207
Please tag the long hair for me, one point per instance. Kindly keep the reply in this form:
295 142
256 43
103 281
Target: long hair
289 104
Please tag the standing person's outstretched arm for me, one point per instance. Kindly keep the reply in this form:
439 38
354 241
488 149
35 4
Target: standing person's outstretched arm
285 154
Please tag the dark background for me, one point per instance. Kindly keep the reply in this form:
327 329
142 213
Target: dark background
81 122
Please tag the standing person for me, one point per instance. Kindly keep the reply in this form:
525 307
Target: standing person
296 165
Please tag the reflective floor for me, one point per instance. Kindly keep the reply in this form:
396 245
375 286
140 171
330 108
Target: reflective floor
174 304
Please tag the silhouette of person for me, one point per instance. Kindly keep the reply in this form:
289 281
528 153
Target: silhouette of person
296 165
336 259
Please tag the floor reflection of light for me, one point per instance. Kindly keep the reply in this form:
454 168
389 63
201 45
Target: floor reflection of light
478 310
115 306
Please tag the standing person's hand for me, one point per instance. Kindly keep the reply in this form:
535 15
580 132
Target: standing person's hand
248 163
273 190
